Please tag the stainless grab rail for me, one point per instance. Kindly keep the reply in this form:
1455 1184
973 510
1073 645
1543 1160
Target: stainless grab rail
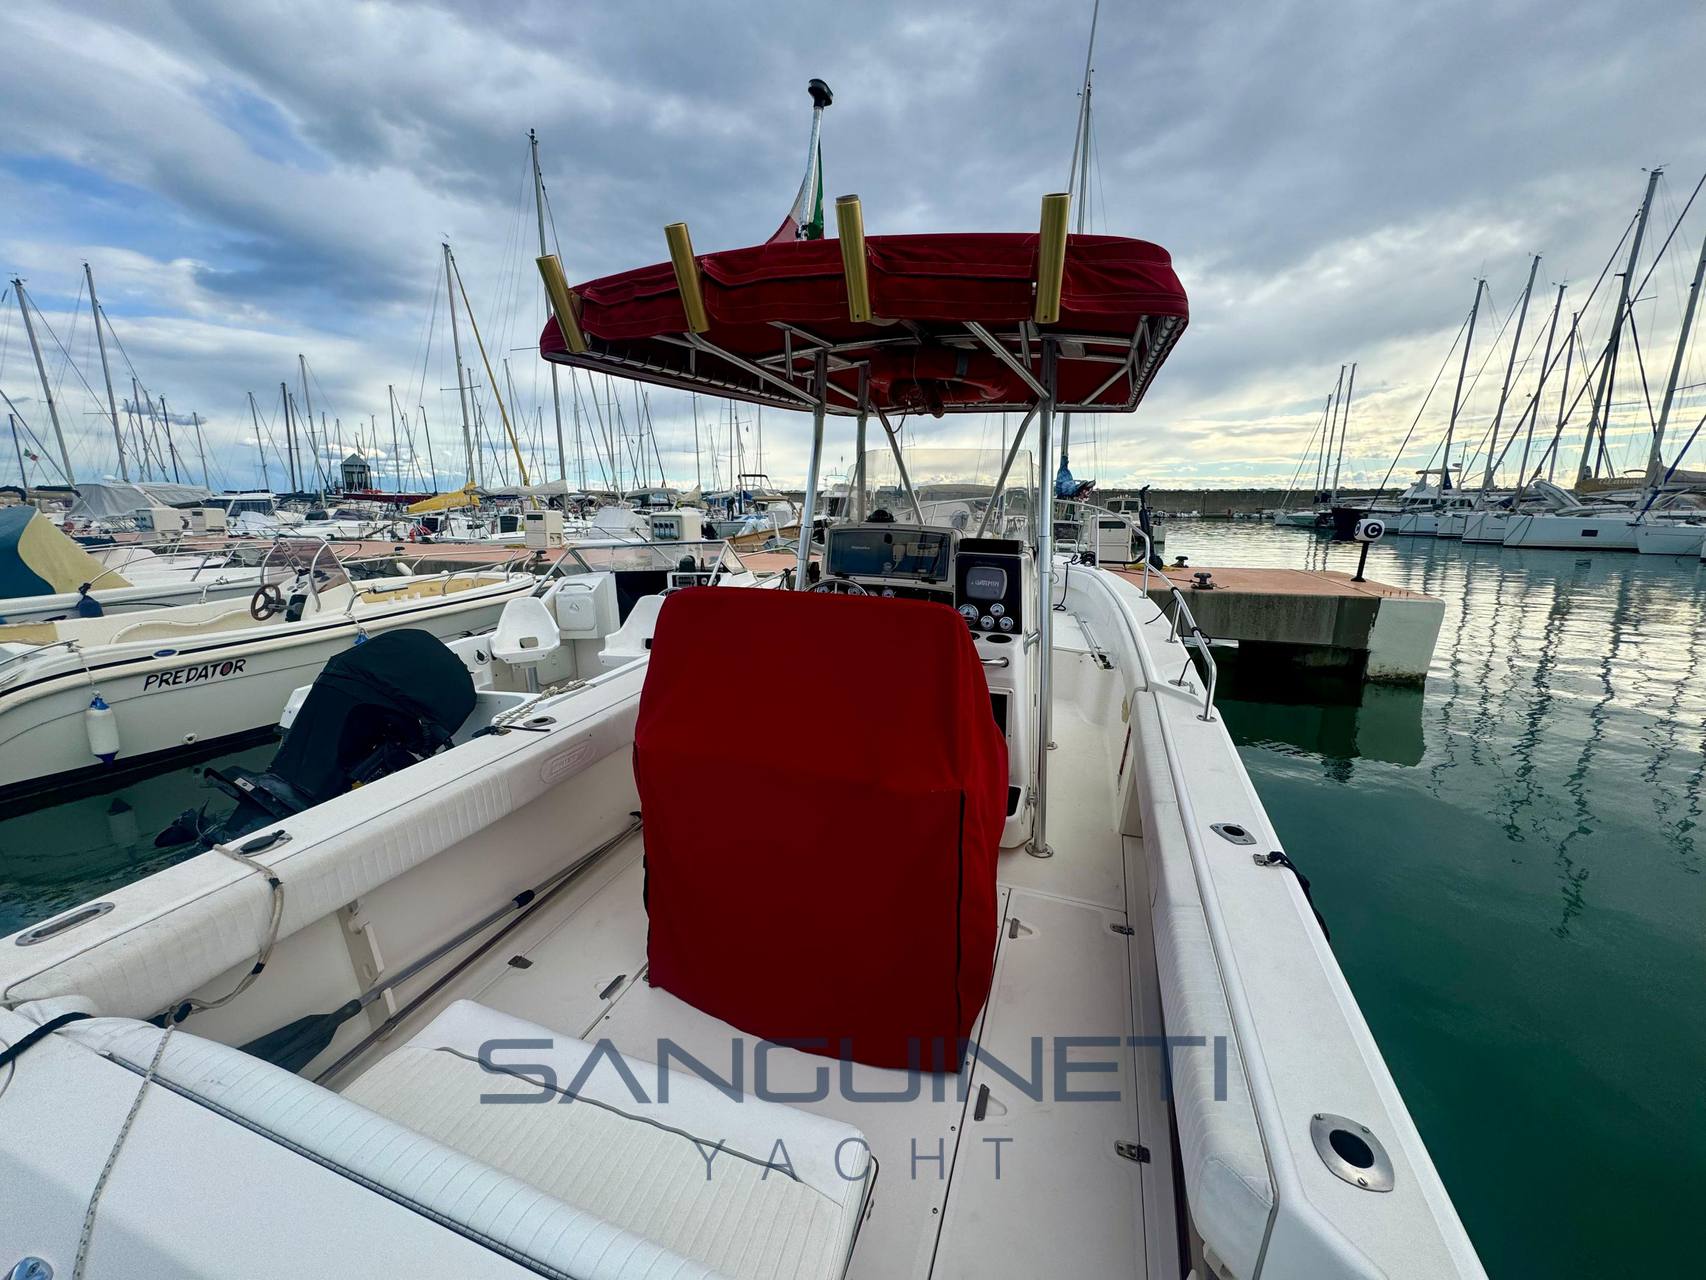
1192 636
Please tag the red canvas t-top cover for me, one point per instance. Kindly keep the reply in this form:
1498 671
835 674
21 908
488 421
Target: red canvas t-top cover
773 305
823 786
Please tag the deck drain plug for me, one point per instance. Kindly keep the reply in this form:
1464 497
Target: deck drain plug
1350 1151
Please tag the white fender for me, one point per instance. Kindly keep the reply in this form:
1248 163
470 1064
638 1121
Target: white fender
102 727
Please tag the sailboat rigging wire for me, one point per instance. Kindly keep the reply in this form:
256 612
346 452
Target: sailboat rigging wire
1469 463
1285 502
1432 387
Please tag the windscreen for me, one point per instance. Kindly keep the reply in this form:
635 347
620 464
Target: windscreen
868 552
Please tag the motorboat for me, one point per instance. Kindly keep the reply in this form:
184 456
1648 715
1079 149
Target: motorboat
121 507
406 694
82 698
45 575
351 522
1001 971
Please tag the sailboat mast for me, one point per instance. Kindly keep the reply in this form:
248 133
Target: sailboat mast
456 350
1344 430
1534 408
171 448
106 373
1327 453
1655 461
46 390
23 476
698 472
396 449
1457 395
260 448
1078 182
1505 390
1602 396
201 449
556 394
289 435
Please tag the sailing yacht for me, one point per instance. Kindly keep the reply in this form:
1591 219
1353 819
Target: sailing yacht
1003 972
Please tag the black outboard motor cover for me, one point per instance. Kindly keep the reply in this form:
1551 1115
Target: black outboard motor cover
381 706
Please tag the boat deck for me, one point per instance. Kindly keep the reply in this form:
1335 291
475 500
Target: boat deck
1014 1186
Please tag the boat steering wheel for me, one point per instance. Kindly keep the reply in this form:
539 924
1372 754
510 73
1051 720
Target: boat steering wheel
266 602
837 587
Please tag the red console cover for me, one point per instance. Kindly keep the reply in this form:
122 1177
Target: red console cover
823 786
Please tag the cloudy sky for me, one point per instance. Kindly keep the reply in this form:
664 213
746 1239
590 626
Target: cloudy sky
254 181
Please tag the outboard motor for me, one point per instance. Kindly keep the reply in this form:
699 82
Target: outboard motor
375 709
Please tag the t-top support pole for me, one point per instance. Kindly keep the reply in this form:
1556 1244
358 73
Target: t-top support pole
1039 846
808 510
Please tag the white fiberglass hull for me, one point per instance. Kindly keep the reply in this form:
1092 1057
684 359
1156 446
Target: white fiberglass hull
1670 538
224 585
1570 533
1296 520
166 699
1486 526
1416 524
1151 917
1451 524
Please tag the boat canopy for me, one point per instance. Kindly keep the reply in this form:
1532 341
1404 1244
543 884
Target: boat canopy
101 500
942 305
468 496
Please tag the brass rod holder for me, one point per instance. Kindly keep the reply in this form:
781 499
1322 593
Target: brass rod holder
687 276
850 227
562 302
1051 256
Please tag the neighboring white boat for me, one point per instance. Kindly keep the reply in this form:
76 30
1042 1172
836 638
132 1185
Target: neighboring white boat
81 695
1670 538
352 523
1597 527
44 575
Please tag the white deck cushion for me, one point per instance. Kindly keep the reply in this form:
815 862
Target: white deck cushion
752 1189
502 1211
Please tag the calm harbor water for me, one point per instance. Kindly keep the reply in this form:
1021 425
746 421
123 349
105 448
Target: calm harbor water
1510 860
1511 864
54 858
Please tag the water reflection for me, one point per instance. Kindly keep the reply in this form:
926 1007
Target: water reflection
1322 715
1517 899
54 858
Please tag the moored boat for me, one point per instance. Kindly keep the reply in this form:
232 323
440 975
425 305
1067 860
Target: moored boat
1005 975
82 698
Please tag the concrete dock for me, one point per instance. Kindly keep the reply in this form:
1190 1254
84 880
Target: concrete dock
1317 618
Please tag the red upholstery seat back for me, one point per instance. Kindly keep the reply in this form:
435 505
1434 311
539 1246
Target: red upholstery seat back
823 786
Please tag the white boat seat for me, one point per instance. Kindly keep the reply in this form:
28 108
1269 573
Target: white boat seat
474 1199
780 1198
527 633
633 639
602 1187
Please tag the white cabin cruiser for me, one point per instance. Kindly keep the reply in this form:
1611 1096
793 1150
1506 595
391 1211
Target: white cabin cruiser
904 1010
81 697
